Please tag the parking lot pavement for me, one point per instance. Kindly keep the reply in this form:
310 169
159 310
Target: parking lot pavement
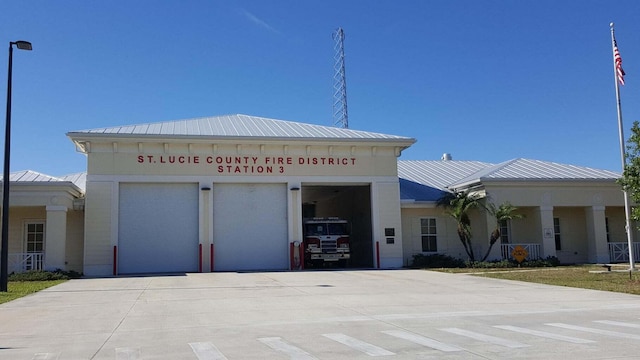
399 314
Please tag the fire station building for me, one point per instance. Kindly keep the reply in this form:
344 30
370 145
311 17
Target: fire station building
230 193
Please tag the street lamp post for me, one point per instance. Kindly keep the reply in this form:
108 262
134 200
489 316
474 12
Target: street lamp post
4 255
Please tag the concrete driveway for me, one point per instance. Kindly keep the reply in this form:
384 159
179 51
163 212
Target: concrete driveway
396 314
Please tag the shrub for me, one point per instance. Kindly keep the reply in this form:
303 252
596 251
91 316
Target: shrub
550 261
39 275
497 264
436 261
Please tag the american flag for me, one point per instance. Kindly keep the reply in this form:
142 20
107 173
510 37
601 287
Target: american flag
618 62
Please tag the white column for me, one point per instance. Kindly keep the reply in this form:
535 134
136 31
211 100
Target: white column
597 234
55 238
548 236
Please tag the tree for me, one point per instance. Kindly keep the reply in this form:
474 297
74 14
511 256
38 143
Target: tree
630 180
457 205
504 211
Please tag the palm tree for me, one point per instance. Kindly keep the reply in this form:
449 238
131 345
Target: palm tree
501 213
457 205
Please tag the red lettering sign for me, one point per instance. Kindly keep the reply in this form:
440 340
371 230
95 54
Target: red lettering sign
248 164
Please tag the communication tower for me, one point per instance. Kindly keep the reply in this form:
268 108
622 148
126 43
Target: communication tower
340 115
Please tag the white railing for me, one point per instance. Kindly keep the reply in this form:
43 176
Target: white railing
533 251
22 262
619 251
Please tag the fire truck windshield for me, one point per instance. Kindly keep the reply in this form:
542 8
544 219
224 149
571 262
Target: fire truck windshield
317 229
337 229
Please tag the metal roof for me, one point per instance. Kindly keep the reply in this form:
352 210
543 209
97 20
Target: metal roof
30 176
79 179
438 174
239 126
535 170
453 174
410 190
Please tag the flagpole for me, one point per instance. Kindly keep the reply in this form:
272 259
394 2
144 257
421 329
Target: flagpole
627 208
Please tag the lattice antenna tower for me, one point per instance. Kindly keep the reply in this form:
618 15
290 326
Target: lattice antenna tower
340 114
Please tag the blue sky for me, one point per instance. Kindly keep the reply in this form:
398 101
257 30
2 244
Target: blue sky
482 80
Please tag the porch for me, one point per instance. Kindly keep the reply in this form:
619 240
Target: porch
533 251
619 252
23 262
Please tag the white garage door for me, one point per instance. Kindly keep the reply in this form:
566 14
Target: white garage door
158 228
250 227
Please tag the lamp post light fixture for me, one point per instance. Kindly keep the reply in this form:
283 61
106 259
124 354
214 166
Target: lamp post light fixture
4 254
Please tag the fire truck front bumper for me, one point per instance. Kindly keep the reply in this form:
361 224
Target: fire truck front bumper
329 257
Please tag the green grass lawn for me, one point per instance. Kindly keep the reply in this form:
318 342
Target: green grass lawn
18 289
572 276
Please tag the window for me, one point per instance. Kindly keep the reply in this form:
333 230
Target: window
34 237
505 231
606 226
429 235
317 229
34 245
556 233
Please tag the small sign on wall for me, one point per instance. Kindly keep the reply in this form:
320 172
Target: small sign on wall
390 232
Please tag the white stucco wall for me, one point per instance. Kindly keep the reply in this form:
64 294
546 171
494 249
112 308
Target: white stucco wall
295 164
99 235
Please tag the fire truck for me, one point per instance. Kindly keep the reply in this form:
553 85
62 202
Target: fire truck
326 241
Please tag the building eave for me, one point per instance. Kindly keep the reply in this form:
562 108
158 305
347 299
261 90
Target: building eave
65 186
520 181
81 139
